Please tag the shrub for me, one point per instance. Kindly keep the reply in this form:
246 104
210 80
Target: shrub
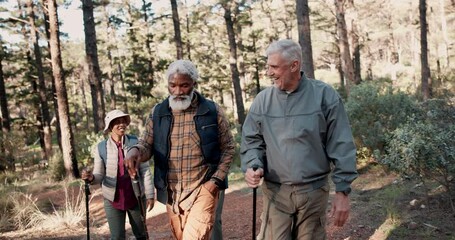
57 166
86 143
425 146
375 110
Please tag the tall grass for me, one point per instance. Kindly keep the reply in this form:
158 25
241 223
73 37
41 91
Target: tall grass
22 211
72 215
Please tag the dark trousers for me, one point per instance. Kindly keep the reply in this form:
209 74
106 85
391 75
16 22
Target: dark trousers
217 231
116 220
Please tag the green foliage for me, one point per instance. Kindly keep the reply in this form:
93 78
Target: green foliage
142 109
56 166
425 146
86 143
390 198
16 150
375 110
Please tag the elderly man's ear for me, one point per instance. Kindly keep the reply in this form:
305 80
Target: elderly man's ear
295 66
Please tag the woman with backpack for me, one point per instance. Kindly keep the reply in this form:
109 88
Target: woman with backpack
116 184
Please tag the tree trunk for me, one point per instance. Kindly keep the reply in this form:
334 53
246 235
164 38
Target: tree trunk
110 46
256 64
5 119
148 45
69 155
29 76
425 70
44 4
122 81
303 21
346 62
93 67
177 33
46 119
6 122
233 63
356 54
188 42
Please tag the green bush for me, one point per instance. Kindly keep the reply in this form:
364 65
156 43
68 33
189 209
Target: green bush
57 166
374 111
425 146
86 142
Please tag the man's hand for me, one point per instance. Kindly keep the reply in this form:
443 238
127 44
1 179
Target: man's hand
211 187
340 209
150 204
87 175
132 161
253 178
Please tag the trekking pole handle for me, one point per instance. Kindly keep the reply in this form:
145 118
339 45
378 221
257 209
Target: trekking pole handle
136 187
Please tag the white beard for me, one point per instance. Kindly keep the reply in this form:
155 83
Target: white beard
182 103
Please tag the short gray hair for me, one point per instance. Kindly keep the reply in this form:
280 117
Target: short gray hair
185 67
288 49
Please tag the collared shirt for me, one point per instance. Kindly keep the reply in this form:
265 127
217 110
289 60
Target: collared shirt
124 195
186 163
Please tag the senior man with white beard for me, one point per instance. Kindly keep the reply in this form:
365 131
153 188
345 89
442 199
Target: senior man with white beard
192 146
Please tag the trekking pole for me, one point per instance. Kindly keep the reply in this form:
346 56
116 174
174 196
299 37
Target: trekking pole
255 167
137 192
87 212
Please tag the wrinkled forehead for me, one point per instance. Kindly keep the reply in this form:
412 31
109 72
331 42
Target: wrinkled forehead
180 78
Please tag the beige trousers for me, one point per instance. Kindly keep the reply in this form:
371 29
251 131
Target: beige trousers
197 222
293 212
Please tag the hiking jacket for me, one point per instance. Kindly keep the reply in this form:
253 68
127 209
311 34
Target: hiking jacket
206 122
296 137
106 173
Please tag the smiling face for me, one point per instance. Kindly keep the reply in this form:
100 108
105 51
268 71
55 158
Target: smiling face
284 74
180 88
118 127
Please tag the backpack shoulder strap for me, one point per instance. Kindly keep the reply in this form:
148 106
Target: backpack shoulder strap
132 140
102 149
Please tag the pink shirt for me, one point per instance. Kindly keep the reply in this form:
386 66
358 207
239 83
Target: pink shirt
124 195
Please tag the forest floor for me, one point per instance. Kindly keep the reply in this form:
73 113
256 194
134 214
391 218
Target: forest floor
383 206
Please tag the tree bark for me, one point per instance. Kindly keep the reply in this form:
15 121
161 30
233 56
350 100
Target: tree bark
233 62
93 67
356 54
188 42
303 21
29 76
177 33
44 3
256 64
346 62
42 91
425 69
148 45
69 155
6 121
5 124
